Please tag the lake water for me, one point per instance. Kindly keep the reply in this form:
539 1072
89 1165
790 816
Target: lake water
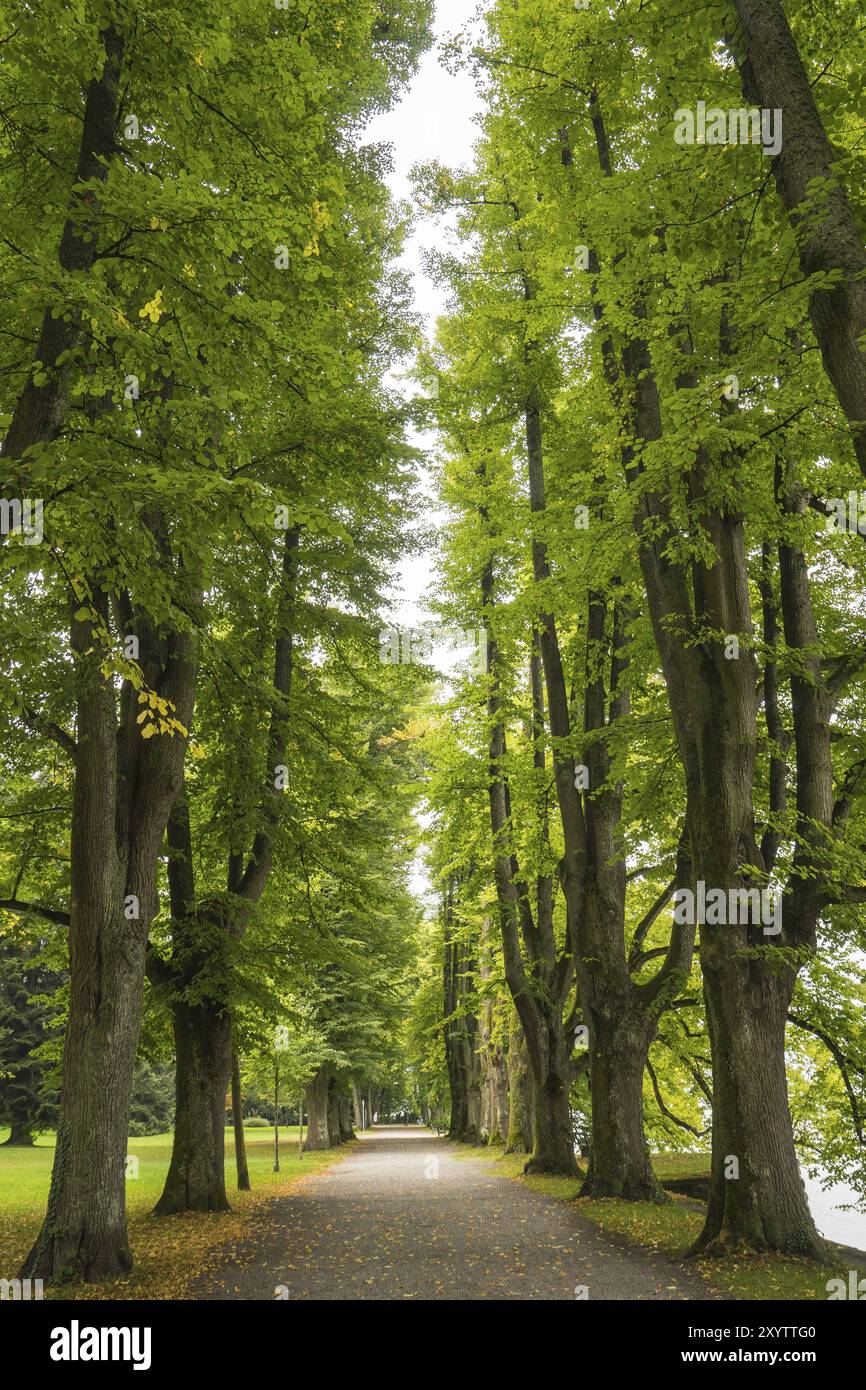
846 1227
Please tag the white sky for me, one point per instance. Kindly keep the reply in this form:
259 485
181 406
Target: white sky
433 121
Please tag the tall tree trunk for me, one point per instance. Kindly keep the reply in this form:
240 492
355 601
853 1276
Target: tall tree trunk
124 790
317 1111
241 1165
196 1174
41 409
757 1196
829 234
713 705
455 1058
113 858
203 1064
276 1116
203 1045
537 974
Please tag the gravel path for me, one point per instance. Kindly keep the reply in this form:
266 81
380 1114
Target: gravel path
401 1217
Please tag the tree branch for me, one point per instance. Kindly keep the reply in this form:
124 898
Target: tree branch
51 914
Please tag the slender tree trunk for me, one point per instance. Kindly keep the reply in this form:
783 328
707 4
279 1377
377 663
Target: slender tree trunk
276 1117
492 1056
203 1050
471 1065
455 1056
241 1165
317 1111
198 1154
113 855
357 1107
537 974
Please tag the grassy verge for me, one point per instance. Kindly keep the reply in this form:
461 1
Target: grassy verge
672 1229
169 1251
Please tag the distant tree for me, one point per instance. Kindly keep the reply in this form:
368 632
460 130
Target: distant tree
151 1105
27 1101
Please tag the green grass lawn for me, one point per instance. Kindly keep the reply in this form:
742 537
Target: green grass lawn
168 1251
673 1228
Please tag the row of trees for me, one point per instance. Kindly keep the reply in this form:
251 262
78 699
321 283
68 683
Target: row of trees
650 401
204 762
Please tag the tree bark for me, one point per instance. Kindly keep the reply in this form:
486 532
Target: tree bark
124 790
619 1163
757 1199
519 1132
196 1174
335 1137
357 1107
553 1133
494 1071
317 1111
241 1165
457 1051
345 1120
